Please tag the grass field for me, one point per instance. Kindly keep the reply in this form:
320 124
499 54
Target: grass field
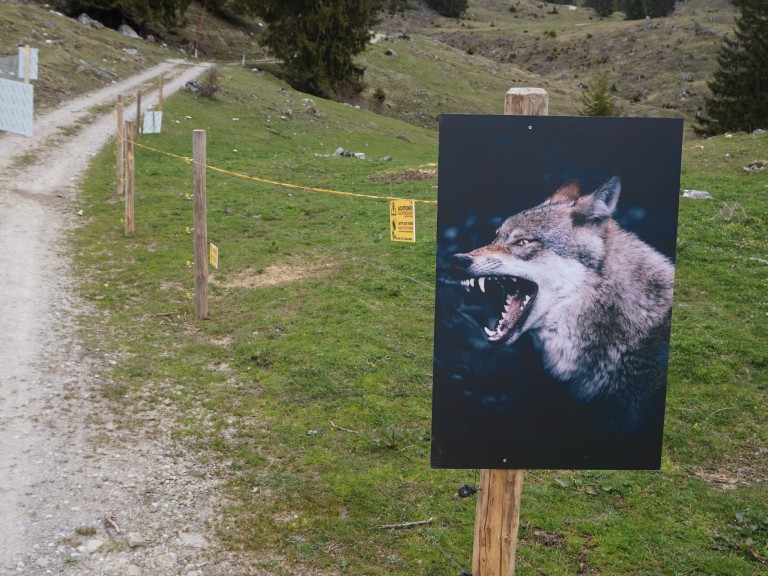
309 388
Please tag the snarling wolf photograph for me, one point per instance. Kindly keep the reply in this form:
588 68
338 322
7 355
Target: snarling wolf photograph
596 300
553 319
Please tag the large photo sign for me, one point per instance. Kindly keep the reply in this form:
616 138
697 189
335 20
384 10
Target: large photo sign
555 270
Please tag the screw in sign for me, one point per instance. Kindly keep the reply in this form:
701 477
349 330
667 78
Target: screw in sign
402 221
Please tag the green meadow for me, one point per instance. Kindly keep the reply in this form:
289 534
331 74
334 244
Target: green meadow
308 390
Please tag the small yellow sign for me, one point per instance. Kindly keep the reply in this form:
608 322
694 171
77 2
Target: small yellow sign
214 256
402 220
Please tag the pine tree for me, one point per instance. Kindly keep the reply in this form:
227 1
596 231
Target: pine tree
449 8
598 100
659 8
140 13
635 10
318 39
603 8
739 100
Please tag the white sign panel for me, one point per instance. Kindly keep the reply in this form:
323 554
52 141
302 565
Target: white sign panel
153 121
16 107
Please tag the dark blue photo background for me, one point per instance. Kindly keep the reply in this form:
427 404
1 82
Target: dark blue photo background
494 406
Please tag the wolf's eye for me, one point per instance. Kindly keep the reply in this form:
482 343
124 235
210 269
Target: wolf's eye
522 242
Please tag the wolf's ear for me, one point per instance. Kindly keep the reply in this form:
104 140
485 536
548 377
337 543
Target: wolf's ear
568 193
600 205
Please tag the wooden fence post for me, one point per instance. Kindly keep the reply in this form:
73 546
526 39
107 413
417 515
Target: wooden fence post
201 226
497 519
160 95
138 116
130 181
27 66
120 172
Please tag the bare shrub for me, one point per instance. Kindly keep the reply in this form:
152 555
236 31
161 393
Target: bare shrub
209 83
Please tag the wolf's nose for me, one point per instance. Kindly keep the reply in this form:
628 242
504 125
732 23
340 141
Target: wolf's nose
461 261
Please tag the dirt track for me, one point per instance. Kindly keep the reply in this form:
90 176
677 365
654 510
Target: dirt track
71 504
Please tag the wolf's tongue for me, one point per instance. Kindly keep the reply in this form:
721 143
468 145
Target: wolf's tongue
513 308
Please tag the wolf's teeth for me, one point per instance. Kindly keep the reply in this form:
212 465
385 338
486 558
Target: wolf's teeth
472 282
481 283
527 299
489 331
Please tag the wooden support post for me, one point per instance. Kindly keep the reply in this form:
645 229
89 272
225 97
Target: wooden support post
526 102
138 116
120 171
497 519
160 95
130 181
496 522
27 63
201 226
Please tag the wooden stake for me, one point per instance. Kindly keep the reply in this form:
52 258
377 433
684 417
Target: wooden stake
27 63
120 172
130 186
138 116
497 519
201 227
160 95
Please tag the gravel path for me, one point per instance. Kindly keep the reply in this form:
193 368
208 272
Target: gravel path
78 495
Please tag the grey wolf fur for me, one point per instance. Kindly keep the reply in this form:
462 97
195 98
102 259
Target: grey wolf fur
595 298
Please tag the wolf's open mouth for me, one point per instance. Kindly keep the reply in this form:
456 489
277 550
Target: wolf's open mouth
516 296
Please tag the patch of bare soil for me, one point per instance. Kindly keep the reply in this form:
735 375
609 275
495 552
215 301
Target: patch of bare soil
408 176
744 469
549 539
275 275
81 493
729 479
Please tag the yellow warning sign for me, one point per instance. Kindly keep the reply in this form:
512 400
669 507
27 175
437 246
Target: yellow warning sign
402 221
214 256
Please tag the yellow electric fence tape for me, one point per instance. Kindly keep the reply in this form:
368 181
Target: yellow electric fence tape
282 184
402 221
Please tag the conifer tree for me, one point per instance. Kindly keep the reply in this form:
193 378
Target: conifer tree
635 10
603 8
659 8
449 8
318 39
597 100
739 100
139 12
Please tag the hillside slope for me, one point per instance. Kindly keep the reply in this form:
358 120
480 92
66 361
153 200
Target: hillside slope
659 66
424 64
